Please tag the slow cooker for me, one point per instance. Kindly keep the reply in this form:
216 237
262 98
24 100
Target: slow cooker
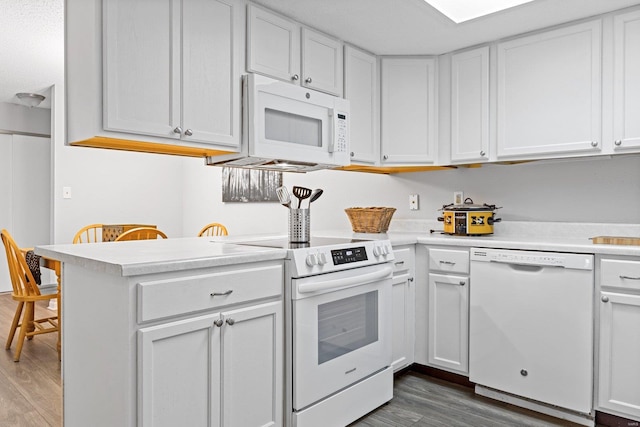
468 219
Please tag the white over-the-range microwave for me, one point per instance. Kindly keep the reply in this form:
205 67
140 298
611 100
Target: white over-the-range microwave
289 128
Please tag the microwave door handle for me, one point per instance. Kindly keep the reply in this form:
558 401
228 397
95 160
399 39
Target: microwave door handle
332 136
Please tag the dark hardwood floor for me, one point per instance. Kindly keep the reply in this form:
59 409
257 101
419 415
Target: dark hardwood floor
31 393
420 400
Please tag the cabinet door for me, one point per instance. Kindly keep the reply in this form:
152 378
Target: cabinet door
273 45
626 108
322 58
470 105
252 359
361 89
619 371
141 67
408 115
549 93
403 296
211 71
179 373
448 346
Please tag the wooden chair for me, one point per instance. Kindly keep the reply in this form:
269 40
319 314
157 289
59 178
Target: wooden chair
26 291
89 234
213 229
141 233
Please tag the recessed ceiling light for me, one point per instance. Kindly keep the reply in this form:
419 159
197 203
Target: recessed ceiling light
464 10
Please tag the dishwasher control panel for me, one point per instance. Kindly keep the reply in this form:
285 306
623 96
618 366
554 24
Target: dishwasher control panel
550 259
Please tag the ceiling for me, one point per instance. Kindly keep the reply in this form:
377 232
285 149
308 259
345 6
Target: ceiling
31 47
32 31
405 27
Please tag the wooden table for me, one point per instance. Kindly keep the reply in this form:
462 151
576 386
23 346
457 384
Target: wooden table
110 232
56 266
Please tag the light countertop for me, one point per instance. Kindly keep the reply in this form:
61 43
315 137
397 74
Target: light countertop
136 257
132 258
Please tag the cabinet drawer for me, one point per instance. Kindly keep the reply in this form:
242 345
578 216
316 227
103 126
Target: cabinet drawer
449 260
402 261
183 295
620 273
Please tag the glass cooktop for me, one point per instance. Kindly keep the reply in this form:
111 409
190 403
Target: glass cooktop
315 242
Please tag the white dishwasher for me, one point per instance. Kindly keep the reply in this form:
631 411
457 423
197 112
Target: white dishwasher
531 325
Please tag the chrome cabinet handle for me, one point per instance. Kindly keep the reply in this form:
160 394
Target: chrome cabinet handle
605 299
618 142
221 294
524 372
218 323
462 283
177 130
594 143
448 262
385 157
188 132
399 262
353 154
629 277
482 153
295 77
308 80
230 321
410 279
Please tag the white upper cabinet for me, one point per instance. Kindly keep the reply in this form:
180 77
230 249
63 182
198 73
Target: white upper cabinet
361 89
626 83
549 93
172 69
273 45
408 110
322 66
470 105
283 49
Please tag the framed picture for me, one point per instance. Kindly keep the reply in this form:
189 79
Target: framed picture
249 185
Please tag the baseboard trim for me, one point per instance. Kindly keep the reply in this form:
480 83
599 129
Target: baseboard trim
442 375
608 420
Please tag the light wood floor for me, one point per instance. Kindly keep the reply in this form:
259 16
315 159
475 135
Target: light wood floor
31 395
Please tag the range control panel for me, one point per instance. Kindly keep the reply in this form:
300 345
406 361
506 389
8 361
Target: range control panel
345 256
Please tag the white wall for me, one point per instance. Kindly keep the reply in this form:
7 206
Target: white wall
595 190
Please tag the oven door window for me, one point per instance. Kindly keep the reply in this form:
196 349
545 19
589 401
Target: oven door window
347 325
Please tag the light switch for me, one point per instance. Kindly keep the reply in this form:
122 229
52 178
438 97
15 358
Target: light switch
66 192
413 202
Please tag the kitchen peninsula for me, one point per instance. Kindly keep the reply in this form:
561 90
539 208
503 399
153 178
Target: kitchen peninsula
171 332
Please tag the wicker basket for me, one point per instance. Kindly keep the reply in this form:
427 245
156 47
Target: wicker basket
370 220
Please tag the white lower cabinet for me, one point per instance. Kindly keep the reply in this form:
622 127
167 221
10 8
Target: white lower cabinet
198 348
448 310
207 370
619 340
403 293
449 322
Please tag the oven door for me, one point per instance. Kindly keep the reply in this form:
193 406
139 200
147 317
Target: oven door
341 330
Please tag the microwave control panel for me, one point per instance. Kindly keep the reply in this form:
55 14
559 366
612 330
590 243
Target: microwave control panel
339 133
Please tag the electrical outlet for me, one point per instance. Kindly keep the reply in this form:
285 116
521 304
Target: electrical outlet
66 192
413 202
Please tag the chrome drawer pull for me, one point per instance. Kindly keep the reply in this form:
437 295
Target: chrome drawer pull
399 262
448 262
221 294
629 277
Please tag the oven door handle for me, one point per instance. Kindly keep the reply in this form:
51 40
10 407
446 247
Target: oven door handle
345 282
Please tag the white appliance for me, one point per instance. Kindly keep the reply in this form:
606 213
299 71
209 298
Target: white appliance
338 329
531 326
289 128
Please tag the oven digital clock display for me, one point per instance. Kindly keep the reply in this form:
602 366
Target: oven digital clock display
345 256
